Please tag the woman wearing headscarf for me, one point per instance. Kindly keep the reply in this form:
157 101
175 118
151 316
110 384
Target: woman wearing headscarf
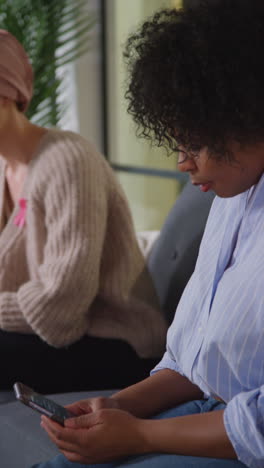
76 302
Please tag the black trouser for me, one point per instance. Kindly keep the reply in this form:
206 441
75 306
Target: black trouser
89 364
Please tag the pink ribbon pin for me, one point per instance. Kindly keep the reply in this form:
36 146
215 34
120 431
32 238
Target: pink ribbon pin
20 218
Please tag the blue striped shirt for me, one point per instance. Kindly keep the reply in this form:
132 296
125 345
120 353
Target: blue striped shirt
217 337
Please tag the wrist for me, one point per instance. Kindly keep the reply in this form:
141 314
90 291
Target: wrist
142 440
121 403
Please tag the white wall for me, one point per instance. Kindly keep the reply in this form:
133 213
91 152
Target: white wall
83 88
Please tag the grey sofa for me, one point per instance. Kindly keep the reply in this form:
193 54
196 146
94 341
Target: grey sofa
171 263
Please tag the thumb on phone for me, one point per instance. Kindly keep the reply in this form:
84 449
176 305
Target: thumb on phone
83 421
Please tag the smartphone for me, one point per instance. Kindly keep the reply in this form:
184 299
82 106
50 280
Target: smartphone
41 404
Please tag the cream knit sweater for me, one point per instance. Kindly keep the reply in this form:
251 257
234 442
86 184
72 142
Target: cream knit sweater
75 267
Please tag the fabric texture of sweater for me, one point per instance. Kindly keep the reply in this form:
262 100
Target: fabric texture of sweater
74 266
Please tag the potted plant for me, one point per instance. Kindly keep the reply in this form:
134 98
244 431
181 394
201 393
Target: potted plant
54 33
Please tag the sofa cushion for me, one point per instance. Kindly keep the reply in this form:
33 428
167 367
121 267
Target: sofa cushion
6 397
172 258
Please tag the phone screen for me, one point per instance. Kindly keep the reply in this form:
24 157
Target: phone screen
41 404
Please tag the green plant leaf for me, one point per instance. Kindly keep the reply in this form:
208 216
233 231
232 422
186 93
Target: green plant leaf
54 33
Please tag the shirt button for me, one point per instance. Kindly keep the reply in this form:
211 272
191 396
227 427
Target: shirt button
200 329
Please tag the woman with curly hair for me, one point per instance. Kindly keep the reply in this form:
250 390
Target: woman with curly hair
196 86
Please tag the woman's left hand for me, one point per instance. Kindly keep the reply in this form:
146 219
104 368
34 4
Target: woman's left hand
99 436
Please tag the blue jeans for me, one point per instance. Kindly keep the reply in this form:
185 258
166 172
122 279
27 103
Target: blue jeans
157 460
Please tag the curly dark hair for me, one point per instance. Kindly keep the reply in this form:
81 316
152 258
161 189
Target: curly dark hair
196 76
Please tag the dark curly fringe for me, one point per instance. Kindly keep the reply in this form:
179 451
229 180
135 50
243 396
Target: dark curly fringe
196 76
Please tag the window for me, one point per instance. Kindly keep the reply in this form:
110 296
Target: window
148 176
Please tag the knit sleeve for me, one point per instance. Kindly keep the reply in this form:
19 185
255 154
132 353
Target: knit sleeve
72 184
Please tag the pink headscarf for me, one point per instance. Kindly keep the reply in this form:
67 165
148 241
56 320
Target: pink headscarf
16 74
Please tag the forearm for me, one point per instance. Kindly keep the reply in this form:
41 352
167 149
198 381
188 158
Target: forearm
201 435
162 390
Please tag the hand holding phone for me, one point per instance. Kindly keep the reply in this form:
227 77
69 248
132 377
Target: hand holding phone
40 403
